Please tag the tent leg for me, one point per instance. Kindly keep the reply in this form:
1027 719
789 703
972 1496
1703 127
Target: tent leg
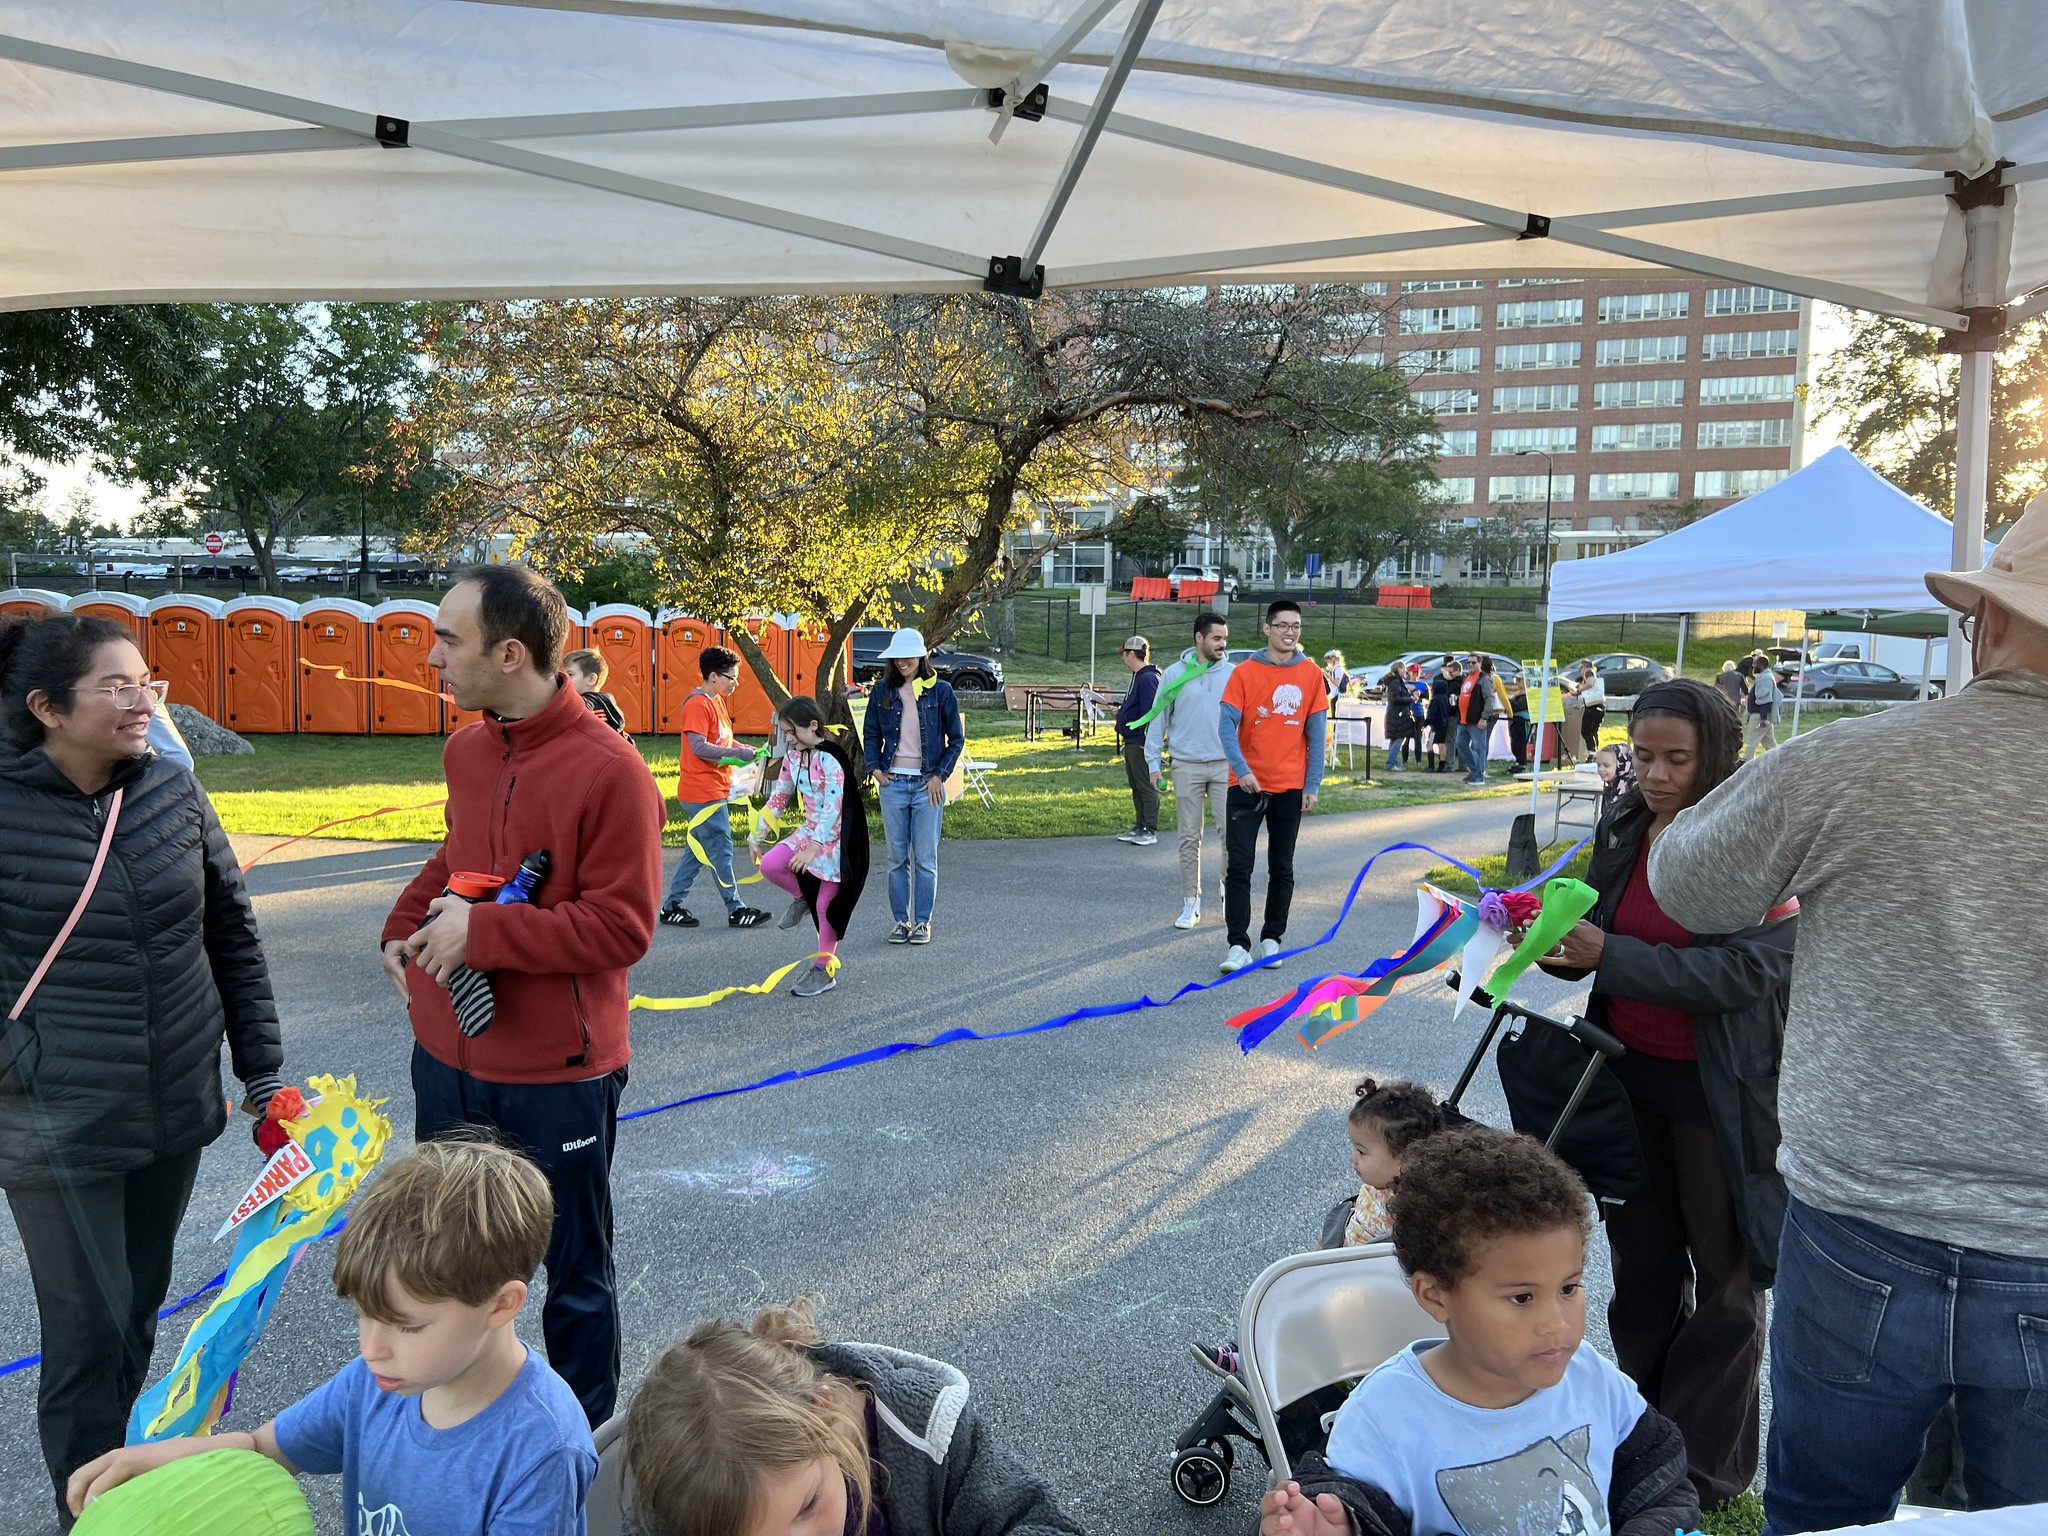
1542 703
1927 669
1798 698
1679 670
1973 454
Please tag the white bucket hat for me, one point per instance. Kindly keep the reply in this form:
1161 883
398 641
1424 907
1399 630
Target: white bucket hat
904 643
2015 577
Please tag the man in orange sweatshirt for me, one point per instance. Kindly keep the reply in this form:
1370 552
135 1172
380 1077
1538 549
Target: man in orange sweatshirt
539 771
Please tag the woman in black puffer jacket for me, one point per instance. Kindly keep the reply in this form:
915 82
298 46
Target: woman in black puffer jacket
110 1077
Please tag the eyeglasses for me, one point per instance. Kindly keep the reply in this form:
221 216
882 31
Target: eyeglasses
1286 629
1968 625
129 695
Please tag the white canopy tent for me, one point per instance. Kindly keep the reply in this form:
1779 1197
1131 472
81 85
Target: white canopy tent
1888 155
1836 534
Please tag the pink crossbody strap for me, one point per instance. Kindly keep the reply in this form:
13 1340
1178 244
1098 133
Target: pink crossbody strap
92 881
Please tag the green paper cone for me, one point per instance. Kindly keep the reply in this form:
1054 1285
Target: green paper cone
1564 903
224 1490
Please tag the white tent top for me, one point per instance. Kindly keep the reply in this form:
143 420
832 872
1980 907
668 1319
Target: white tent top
1834 535
166 149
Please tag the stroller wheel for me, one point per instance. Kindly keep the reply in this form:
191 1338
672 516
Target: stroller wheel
1201 1473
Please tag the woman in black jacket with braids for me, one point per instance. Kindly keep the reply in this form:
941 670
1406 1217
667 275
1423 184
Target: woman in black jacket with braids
110 1071
1703 1017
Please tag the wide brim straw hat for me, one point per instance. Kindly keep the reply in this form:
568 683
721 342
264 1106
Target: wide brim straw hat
2015 577
903 644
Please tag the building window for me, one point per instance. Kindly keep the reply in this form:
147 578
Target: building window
1530 487
1644 306
1537 397
1444 317
1440 360
1710 483
1528 312
1722 346
1448 402
1629 351
1358 322
1751 301
1760 389
1552 439
1458 445
1645 485
1775 432
1537 282
1442 285
1537 354
1638 437
1450 491
1634 394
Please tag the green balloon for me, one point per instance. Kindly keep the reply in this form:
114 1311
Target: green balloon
224 1490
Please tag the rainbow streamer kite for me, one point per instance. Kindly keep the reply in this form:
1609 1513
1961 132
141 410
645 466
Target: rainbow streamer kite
337 1142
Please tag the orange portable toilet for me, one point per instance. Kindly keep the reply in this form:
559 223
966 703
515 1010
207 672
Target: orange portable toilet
123 608
624 635
184 648
753 713
678 644
31 603
334 632
259 653
401 635
806 652
579 632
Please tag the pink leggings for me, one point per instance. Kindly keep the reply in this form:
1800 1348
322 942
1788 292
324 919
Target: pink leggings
775 865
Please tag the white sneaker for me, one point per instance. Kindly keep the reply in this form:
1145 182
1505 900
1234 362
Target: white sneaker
1129 835
1238 958
1268 948
1190 914
1144 839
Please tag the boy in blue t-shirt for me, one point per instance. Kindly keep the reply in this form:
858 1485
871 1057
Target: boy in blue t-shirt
446 1424
1512 1425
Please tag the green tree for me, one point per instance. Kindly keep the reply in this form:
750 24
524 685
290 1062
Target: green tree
1494 544
1893 395
1153 532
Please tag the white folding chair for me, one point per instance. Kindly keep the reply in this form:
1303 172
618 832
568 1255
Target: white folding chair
977 771
1318 1318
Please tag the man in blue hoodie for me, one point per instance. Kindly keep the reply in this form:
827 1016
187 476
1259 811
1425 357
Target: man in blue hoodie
1137 655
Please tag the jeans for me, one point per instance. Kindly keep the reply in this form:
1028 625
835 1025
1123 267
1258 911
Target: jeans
714 835
99 1256
568 1129
1144 793
910 822
1195 784
1468 750
1872 1332
1280 813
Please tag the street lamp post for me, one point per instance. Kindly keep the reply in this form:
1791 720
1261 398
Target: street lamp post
1549 475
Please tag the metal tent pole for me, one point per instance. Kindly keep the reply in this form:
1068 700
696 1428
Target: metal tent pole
1679 670
1542 708
1987 237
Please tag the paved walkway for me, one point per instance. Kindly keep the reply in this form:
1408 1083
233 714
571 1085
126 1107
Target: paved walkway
1058 1215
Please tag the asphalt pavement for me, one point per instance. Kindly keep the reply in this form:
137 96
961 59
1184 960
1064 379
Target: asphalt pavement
1058 1214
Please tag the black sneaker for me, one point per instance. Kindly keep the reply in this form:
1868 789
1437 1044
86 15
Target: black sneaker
1217 1359
746 917
677 917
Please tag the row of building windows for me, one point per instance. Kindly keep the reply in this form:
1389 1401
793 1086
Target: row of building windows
1624 437
1642 485
1522 314
1612 352
1613 395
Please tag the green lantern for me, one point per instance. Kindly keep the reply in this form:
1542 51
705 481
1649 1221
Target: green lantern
224 1490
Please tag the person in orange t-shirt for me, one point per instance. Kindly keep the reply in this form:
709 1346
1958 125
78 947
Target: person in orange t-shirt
705 780
1275 729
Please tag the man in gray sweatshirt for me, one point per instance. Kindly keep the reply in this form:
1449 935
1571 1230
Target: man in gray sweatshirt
1189 724
1914 1086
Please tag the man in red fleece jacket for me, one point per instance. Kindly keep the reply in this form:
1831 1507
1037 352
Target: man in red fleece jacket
538 771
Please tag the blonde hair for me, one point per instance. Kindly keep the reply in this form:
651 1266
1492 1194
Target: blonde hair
1610 750
450 1221
725 1409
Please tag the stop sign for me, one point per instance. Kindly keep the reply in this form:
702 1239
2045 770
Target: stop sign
215 543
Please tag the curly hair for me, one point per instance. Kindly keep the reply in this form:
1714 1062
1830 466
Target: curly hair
1403 1113
1702 704
1471 1185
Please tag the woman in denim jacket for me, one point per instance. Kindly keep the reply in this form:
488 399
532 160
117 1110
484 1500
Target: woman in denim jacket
912 751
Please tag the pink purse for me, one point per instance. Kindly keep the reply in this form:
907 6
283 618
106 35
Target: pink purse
92 881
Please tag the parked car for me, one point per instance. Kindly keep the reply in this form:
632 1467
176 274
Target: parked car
967 671
1227 588
1848 680
1506 668
1622 673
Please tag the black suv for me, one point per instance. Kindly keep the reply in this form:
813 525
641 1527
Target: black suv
965 670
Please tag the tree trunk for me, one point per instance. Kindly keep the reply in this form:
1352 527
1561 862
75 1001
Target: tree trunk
832 686
263 549
743 641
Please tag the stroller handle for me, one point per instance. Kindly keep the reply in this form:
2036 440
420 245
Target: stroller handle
1587 1033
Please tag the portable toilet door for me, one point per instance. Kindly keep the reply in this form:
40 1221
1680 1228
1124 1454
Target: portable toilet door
806 651
184 648
401 636
123 608
678 645
259 688
752 711
624 635
334 666
30 603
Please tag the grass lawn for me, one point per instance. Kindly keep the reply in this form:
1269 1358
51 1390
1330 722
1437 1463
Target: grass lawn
1043 788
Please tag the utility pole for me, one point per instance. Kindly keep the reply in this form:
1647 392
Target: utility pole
1548 477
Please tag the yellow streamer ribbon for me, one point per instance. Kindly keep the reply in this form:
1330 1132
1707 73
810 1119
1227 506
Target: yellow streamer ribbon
760 988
